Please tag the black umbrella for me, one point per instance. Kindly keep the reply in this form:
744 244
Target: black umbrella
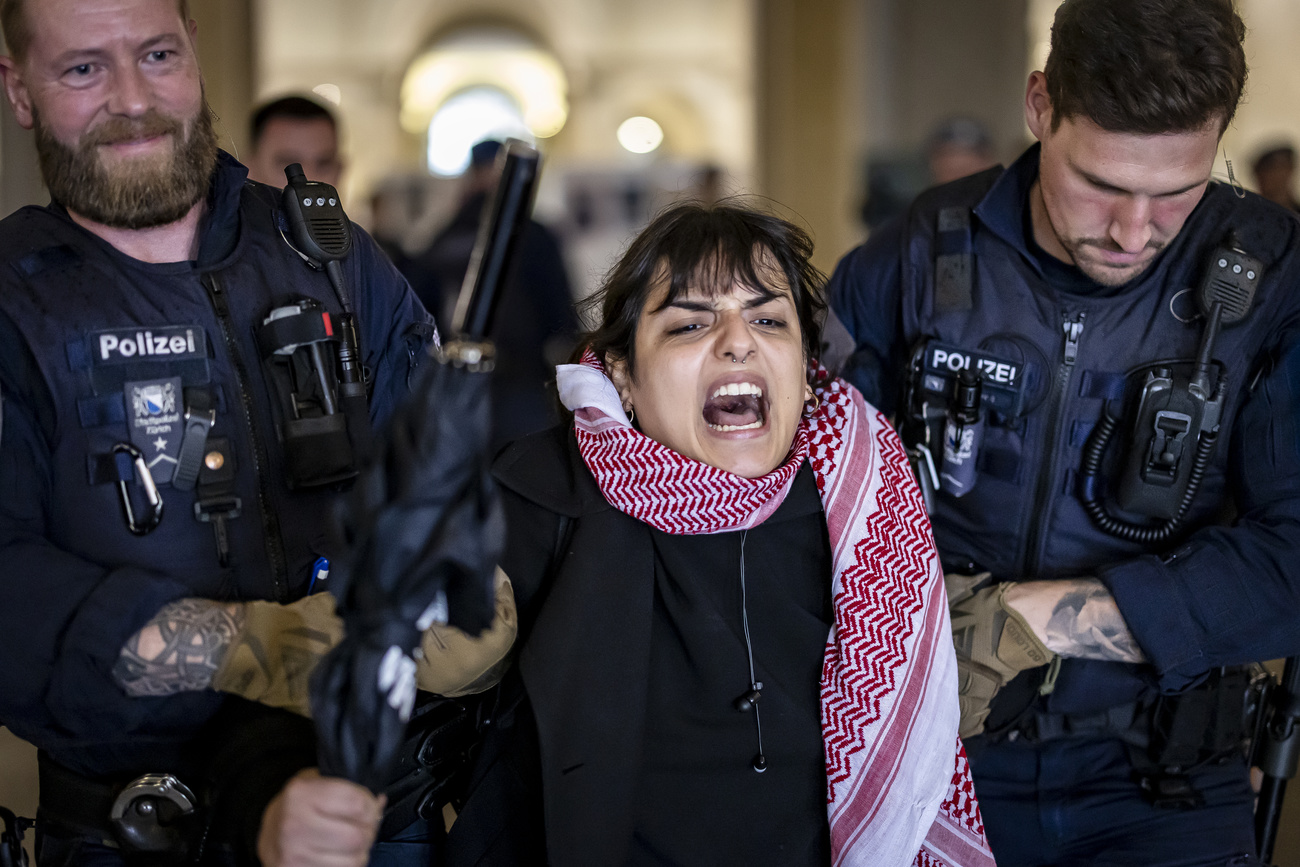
423 527
1277 754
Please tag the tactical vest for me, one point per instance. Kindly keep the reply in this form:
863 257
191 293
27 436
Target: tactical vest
1057 358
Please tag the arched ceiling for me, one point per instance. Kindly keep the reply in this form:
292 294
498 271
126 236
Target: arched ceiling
621 56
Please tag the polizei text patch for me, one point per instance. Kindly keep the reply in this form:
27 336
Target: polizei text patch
160 343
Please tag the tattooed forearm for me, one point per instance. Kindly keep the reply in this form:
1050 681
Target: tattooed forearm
1077 618
179 649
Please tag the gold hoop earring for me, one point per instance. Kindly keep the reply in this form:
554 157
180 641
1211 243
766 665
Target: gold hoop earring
816 405
631 414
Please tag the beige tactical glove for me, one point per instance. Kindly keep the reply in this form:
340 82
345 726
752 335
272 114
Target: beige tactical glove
993 643
271 659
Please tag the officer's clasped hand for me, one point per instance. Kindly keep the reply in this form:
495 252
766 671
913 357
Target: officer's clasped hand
993 644
271 659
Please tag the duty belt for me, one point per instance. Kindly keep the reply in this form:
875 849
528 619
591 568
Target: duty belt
151 819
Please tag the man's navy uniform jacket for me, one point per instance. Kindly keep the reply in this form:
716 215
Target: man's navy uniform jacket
1225 591
80 325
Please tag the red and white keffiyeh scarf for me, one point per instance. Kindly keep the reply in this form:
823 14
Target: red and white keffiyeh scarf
899 787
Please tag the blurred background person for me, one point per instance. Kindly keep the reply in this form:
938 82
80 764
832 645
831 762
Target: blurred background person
958 147
535 320
294 129
1274 171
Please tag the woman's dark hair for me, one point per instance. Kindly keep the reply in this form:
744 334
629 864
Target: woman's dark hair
1146 66
697 246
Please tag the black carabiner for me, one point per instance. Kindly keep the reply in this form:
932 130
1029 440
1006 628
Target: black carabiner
139 528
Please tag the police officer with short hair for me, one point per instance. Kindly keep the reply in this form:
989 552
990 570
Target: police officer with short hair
181 406
294 129
1092 357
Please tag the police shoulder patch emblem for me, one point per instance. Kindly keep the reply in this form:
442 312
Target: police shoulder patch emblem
154 414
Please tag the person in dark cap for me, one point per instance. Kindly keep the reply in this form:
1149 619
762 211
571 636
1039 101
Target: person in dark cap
1274 172
535 322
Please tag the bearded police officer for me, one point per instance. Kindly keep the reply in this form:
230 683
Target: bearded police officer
178 415
1093 357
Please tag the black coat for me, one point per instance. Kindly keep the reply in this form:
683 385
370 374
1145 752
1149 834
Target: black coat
572 770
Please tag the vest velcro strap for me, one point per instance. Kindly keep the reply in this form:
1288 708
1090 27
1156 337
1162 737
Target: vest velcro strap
953 262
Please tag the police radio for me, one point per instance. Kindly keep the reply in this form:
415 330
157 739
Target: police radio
1174 416
312 359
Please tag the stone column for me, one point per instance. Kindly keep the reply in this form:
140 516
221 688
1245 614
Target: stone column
226 54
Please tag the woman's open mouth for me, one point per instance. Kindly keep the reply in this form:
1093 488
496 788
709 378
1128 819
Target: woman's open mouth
735 406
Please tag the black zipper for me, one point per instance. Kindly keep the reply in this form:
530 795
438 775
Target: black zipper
1040 516
261 461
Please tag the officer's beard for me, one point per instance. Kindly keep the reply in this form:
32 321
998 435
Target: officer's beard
134 193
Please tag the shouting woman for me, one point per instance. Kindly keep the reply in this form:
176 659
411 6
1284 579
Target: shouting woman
733 637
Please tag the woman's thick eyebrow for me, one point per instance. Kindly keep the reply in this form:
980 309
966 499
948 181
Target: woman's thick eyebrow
761 296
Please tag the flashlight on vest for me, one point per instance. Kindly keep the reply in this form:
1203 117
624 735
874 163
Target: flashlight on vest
963 435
